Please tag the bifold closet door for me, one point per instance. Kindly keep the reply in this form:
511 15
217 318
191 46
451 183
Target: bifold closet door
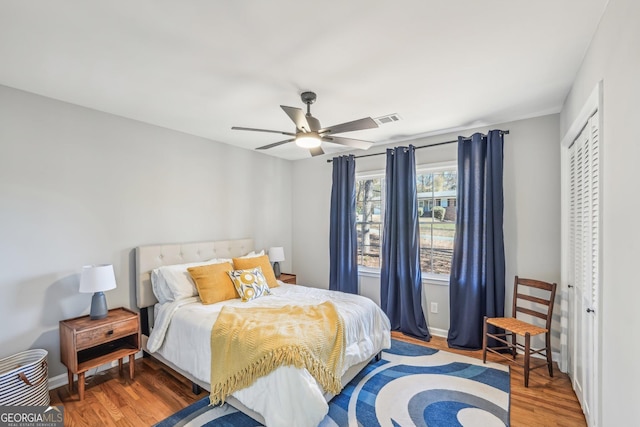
584 278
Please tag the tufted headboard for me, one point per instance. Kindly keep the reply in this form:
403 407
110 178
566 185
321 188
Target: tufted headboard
153 256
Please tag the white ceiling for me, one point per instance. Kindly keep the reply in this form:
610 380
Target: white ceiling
203 66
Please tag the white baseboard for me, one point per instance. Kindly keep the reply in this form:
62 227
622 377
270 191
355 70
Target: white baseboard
62 379
58 381
439 332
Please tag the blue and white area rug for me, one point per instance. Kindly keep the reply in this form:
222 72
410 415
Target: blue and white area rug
411 386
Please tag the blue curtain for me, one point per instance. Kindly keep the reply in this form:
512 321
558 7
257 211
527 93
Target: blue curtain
401 276
477 283
343 244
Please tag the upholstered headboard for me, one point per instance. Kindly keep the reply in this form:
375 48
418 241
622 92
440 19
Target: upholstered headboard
154 256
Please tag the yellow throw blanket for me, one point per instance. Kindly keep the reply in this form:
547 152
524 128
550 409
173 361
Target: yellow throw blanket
248 343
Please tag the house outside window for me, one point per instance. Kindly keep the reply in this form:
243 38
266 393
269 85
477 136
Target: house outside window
437 200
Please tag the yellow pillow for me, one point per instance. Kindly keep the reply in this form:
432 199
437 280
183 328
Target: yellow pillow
213 282
250 283
259 261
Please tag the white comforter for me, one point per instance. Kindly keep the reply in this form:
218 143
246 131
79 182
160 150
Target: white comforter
288 396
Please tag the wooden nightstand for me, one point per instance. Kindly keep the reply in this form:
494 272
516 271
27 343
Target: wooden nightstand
87 344
288 278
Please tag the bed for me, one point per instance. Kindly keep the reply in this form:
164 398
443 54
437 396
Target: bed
177 333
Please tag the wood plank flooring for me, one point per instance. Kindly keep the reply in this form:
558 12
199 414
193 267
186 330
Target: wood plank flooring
111 399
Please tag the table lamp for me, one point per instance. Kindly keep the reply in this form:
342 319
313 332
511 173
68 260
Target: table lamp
97 279
276 254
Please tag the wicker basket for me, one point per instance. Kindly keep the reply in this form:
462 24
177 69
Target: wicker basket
24 379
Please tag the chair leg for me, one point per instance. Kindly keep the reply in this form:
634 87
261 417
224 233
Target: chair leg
484 341
514 348
527 348
549 359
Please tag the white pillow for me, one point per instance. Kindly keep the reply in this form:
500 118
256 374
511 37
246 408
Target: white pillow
253 254
160 288
173 282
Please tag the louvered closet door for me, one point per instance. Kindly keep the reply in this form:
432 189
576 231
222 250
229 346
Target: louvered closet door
584 239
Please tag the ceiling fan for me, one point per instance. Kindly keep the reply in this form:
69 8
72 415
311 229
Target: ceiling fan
309 134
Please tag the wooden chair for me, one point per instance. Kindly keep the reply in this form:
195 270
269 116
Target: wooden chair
541 307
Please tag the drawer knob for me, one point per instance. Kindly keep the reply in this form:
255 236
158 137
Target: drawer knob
110 332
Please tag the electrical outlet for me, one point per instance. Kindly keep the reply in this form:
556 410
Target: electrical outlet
434 307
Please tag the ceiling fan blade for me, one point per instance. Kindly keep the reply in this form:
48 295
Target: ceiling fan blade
349 142
264 130
316 151
314 123
298 117
360 124
275 144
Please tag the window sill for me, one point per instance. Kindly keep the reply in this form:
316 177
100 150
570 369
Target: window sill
368 272
432 279
427 279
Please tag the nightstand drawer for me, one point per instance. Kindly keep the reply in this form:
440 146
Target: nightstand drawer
102 334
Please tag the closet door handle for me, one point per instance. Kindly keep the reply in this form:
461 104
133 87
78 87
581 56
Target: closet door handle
590 310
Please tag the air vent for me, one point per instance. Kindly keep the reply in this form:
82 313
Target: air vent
389 118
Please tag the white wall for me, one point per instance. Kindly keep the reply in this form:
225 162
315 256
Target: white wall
532 210
78 186
614 59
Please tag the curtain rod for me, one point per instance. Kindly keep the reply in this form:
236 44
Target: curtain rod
503 132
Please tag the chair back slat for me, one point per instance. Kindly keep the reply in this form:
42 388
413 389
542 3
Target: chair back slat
536 284
542 316
541 301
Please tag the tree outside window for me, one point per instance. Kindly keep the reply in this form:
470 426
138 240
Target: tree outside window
369 220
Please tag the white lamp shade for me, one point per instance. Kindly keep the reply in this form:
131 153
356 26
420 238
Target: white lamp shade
97 278
276 254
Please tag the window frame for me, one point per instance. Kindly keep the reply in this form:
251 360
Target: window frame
427 277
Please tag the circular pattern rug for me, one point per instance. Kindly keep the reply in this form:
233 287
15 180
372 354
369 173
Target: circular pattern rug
411 385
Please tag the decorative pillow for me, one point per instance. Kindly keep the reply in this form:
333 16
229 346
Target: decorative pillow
213 282
173 282
250 283
258 261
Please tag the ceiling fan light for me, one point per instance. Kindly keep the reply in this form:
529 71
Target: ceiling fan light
308 140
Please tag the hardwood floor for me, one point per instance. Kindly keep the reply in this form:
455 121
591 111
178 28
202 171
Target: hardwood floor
111 399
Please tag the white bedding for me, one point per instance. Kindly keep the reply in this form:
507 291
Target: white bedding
182 335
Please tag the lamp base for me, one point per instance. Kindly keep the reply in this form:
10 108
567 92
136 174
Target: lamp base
98 306
276 268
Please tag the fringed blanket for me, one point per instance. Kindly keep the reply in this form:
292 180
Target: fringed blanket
248 343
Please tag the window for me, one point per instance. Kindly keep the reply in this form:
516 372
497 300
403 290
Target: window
437 188
369 199
437 201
